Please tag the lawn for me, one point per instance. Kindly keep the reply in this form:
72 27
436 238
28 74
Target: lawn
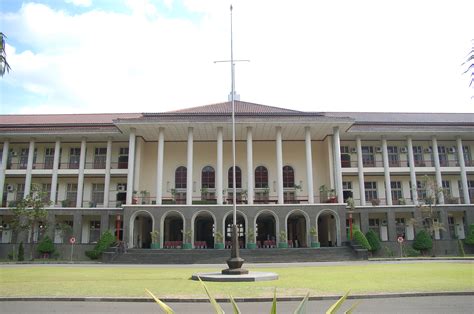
294 281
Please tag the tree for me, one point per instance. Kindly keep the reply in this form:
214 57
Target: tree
373 240
422 241
469 64
470 235
360 239
4 66
30 212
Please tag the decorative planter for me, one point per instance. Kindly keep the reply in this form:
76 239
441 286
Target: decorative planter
155 246
187 246
251 246
315 244
283 245
219 246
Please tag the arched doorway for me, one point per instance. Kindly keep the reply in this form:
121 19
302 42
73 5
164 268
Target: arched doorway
266 228
204 226
142 223
172 226
328 228
296 226
241 225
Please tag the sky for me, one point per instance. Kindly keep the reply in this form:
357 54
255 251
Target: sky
91 56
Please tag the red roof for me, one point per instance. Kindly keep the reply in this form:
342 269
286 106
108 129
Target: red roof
240 107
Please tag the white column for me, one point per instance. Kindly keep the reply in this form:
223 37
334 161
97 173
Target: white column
462 165
411 160
189 174
80 179
360 168
54 178
331 161
337 168
439 182
29 167
108 160
250 193
386 170
159 166
219 172
279 157
3 168
131 165
309 165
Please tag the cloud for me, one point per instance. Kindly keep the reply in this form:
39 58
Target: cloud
307 56
82 3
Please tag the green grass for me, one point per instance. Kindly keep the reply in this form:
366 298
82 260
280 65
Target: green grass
294 281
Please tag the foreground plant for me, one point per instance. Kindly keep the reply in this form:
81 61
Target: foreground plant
301 309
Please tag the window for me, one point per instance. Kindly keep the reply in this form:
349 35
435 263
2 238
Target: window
24 158
393 157
288 177
180 178
97 194
71 195
20 191
370 191
374 225
289 197
470 187
123 158
208 177
94 231
397 193
443 157
346 189
446 187
99 157
400 227
46 190
74 157
261 177
49 158
418 156
421 190
238 178
467 156
345 157
368 158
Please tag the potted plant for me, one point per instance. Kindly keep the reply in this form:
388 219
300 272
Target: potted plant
155 239
327 195
402 201
218 240
187 245
375 202
251 239
64 203
135 198
144 195
283 240
314 237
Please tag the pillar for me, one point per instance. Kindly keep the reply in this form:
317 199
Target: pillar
80 179
54 178
29 167
3 168
337 165
108 161
439 182
364 222
131 165
411 161
309 165
391 225
360 169
219 172
189 174
104 222
386 170
77 227
462 165
279 159
159 166
250 181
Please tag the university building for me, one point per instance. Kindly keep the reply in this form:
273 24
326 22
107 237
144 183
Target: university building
172 172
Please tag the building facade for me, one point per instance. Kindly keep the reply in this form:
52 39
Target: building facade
172 172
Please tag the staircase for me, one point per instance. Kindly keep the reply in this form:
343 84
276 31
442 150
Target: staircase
214 256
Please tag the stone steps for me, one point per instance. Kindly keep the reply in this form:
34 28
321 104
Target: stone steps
214 256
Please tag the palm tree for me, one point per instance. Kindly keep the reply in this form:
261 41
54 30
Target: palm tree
4 66
470 65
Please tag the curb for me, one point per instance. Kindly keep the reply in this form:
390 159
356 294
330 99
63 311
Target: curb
225 300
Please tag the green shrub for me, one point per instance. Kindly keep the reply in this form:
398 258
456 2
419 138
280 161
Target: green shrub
373 240
461 248
360 239
388 251
21 252
411 252
422 241
106 240
46 246
470 235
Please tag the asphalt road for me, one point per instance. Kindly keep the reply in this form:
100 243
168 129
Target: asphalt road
405 305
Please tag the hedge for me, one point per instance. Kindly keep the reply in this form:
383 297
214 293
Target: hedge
373 240
360 239
106 240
